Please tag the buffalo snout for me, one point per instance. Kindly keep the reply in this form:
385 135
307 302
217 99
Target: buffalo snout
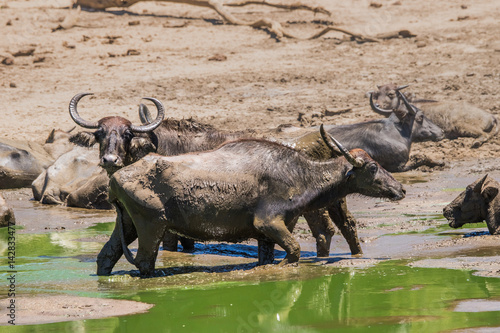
111 161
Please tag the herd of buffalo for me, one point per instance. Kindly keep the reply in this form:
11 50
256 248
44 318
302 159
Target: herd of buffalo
180 180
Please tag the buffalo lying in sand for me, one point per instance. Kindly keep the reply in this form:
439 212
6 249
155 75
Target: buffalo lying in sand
457 119
479 202
244 189
74 179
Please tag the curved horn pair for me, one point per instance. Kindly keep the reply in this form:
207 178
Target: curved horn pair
331 142
409 107
378 109
93 125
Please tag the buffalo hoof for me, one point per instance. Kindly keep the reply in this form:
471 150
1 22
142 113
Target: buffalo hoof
104 271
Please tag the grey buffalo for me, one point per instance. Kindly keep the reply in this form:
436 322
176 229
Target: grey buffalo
244 189
21 163
388 141
456 119
479 202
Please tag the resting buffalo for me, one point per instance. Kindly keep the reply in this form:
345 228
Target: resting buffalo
244 189
6 214
20 164
75 179
456 119
479 202
387 140
22 161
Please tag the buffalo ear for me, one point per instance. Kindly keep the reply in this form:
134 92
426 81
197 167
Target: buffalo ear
84 139
489 193
140 147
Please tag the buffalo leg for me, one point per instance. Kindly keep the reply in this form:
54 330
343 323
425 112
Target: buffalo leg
150 236
322 229
276 230
187 244
266 252
346 223
171 240
113 250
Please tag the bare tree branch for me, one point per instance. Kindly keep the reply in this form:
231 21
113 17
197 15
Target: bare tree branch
272 26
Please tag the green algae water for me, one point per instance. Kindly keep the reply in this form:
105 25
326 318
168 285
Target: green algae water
388 297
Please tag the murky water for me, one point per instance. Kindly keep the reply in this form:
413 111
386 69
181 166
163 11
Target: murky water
230 294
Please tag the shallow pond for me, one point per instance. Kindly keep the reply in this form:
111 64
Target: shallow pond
230 294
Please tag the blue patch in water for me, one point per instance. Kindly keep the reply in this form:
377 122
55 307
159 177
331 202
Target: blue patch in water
238 250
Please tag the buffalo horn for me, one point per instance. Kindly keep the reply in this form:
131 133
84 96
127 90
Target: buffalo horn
331 141
402 87
378 109
155 123
409 107
74 113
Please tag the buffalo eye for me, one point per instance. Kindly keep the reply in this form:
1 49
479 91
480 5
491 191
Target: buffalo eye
420 118
373 168
128 135
99 134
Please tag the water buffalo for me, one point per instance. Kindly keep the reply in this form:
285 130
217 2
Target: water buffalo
76 179
22 161
456 119
20 164
388 141
121 143
57 143
244 189
479 202
6 214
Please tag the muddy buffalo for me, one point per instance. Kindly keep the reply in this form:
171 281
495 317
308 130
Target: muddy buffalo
121 143
244 189
74 179
479 202
456 119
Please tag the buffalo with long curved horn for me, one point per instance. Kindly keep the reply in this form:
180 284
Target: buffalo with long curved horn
120 142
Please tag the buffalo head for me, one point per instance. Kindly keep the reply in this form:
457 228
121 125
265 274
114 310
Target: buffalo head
366 176
120 142
387 100
471 206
